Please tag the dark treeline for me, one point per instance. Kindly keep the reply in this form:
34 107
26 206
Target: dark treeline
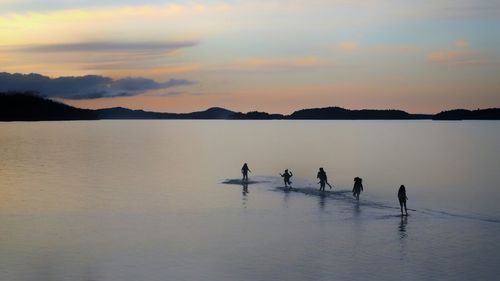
463 114
26 107
29 107
338 113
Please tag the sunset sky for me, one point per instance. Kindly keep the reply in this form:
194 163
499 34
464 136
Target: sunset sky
273 55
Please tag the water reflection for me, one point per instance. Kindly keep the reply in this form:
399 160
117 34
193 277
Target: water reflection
356 210
286 197
321 201
402 227
245 194
402 236
245 188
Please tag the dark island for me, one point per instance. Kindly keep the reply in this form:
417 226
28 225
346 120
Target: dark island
30 107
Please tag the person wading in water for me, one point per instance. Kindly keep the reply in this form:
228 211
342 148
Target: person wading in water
357 188
286 178
244 171
323 179
402 198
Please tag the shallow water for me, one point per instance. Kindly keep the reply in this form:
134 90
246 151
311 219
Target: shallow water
146 200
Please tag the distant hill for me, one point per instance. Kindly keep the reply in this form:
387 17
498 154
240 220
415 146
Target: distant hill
336 113
29 107
124 113
464 114
26 107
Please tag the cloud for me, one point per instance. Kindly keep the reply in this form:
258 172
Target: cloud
347 46
102 57
457 57
83 87
460 54
444 56
104 46
461 43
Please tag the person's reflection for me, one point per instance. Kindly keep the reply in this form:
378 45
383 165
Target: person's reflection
357 210
321 201
245 193
402 227
286 196
402 231
245 188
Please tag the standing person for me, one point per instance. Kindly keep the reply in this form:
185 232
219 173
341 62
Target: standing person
244 171
357 188
323 179
286 178
402 198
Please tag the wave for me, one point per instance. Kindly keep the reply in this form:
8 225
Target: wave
462 216
343 195
346 196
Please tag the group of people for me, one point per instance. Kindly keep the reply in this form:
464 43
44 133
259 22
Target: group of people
323 181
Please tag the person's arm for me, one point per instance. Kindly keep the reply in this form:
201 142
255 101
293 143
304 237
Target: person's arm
291 175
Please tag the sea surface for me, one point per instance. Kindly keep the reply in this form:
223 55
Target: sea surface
162 200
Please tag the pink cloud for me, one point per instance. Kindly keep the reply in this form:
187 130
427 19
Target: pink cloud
461 43
348 46
445 56
461 54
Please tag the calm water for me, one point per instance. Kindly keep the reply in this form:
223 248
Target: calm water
145 200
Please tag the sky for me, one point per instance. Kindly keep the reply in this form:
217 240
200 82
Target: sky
274 55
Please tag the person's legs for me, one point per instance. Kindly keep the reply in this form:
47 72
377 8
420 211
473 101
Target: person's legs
401 206
406 210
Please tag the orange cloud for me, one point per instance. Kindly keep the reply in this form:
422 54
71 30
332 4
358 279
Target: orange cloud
455 57
4 57
444 56
460 55
461 43
348 46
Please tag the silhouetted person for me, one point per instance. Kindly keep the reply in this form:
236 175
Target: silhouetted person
244 171
402 198
323 179
286 178
357 188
